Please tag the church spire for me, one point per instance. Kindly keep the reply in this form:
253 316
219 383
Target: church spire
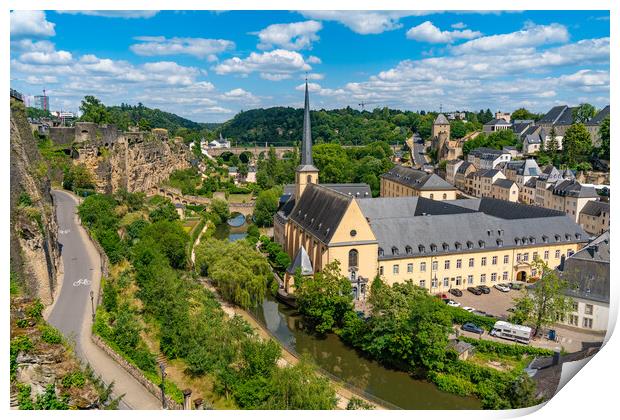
306 144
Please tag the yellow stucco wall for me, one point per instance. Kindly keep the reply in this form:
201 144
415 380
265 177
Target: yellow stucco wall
512 267
391 188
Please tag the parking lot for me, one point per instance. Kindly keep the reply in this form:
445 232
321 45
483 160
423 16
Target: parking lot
495 303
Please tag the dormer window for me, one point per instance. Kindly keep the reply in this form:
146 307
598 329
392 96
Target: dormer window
557 237
481 244
577 235
545 239
567 236
518 241
408 249
381 252
470 245
457 245
433 248
445 246
421 249
500 242
394 250
532 240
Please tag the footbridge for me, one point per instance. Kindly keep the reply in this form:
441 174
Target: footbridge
175 195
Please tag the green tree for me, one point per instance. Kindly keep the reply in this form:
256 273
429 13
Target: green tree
324 298
576 144
164 210
93 110
144 124
523 114
604 133
583 113
78 177
298 387
521 392
220 209
266 206
170 238
457 129
546 302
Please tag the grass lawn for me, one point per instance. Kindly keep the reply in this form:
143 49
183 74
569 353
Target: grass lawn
501 363
239 198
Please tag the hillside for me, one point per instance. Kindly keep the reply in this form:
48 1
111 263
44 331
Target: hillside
125 115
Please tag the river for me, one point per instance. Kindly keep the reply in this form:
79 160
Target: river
234 229
332 355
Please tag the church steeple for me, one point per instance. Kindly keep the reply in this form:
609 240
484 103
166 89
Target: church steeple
306 143
306 172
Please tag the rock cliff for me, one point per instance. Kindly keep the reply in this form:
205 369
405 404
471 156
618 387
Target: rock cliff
135 161
33 232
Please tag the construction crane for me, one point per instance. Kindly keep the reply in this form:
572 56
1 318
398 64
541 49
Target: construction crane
363 104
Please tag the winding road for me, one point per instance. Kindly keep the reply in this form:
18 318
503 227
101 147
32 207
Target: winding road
71 312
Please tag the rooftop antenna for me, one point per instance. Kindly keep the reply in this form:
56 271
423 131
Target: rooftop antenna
440 108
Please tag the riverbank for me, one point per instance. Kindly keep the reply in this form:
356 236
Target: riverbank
344 395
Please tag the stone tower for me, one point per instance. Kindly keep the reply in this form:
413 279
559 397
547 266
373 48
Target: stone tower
440 133
306 173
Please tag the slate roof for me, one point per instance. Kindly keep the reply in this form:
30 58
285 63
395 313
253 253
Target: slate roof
504 183
486 152
531 183
441 119
416 179
587 271
357 190
532 139
320 210
527 167
598 118
572 188
417 226
519 127
498 121
301 261
463 168
558 115
595 208
486 173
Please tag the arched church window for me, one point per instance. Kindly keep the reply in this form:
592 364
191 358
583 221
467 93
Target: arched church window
353 258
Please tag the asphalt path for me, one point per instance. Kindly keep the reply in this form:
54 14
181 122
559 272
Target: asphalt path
71 312
418 152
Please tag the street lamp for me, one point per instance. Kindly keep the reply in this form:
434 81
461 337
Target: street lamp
92 304
164 403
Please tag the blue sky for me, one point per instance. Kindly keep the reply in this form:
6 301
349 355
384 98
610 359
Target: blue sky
207 66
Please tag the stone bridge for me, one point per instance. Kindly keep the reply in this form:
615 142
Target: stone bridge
177 197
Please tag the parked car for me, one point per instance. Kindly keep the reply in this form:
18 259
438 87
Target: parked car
453 303
502 287
514 332
456 292
484 289
474 290
471 327
442 296
480 313
516 286
468 308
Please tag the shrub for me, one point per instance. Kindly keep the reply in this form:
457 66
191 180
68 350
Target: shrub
51 335
75 378
486 346
35 310
452 383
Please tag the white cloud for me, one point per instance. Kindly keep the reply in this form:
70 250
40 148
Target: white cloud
530 36
240 95
291 36
40 80
272 65
364 22
314 76
197 47
427 32
458 25
28 45
125 14
46 57
31 23
313 60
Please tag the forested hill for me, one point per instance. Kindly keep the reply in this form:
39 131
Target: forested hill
125 115
283 126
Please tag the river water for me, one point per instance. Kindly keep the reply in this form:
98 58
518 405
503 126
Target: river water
332 355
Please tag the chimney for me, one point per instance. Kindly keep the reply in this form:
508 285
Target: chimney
187 399
198 404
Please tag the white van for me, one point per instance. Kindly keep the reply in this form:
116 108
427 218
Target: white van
518 333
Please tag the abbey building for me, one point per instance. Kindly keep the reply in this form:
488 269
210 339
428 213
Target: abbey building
436 244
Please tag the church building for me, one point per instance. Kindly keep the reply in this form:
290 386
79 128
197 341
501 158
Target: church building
438 245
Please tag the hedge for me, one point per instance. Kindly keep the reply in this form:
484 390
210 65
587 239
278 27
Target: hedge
461 316
486 346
